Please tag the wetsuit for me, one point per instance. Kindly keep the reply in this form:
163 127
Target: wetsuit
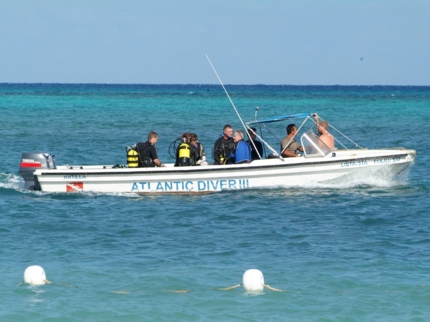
254 153
222 150
147 154
242 153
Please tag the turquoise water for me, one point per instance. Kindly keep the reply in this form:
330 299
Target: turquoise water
356 251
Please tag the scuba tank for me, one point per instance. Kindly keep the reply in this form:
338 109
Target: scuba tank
134 159
132 156
184 154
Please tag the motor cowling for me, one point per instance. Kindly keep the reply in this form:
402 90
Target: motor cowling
31 161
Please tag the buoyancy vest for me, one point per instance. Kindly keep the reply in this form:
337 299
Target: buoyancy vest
243 152
184 155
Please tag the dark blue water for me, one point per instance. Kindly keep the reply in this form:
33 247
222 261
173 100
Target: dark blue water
356 251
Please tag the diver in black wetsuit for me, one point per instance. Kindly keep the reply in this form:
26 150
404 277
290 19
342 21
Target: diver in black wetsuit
224 146
148 156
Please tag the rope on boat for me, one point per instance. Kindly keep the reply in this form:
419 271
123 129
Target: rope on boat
272 133
268 146
356 144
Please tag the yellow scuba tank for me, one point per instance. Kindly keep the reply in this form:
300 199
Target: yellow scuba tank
184 154
132 157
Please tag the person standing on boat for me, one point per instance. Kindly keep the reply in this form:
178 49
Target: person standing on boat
289 145
224 146
242 152
252 136
148 156
325 136
200 150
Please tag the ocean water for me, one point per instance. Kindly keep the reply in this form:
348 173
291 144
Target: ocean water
353 251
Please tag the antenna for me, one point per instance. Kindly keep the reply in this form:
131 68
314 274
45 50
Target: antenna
235 109
255 114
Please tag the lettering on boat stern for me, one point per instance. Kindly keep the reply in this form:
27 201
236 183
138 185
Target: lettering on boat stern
74 177
194 186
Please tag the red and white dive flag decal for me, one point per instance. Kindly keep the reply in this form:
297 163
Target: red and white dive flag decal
74 186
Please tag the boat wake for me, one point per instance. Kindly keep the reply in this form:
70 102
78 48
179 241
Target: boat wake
378 179
11 181
351 182
14 182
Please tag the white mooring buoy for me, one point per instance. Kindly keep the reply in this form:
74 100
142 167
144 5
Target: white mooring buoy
253 280
35 275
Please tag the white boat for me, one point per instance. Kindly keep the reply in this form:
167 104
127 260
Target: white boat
318 164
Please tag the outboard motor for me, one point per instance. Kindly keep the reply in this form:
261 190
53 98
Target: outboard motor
31 161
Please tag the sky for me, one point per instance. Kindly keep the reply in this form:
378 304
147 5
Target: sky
285 42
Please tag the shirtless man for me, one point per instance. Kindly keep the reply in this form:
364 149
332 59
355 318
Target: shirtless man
325 136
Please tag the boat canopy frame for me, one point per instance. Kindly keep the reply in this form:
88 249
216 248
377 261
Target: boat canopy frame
314 143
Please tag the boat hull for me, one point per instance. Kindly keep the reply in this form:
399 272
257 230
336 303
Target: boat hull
270 173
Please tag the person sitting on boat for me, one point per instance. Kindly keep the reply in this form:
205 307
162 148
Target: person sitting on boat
200 150
289 146
186 154
242 152
252 139
148 156
223 146
325 136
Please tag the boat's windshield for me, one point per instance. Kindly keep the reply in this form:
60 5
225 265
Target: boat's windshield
313 146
